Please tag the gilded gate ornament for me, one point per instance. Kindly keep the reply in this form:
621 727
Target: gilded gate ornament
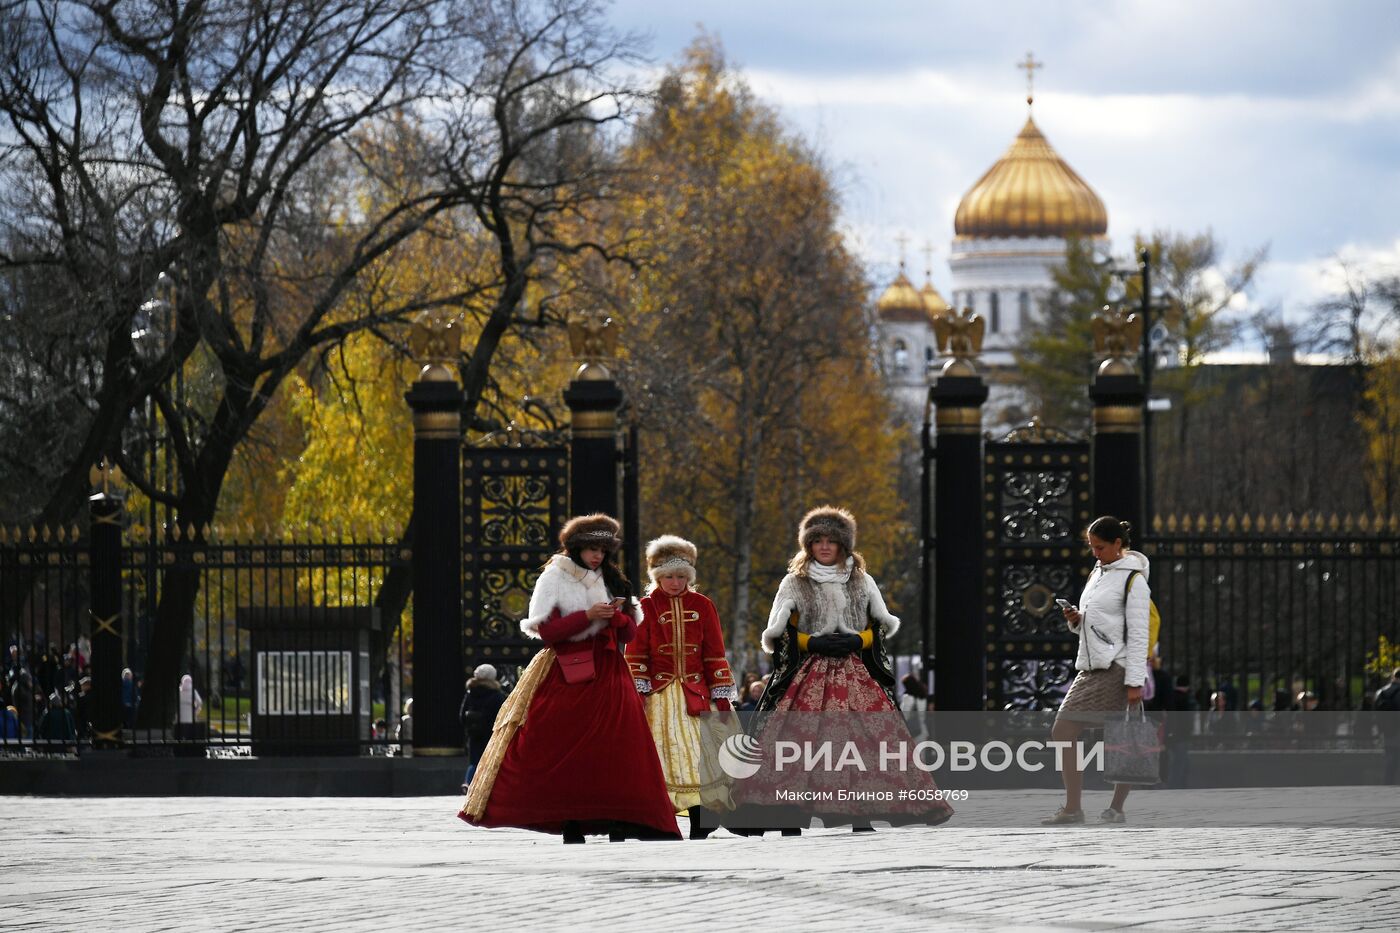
959 335
593 342
436 343
1117 337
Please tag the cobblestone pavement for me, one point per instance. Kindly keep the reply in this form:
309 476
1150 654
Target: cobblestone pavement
408 863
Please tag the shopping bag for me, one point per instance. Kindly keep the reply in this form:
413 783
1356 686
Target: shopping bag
1131 749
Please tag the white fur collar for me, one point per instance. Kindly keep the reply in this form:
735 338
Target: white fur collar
566 586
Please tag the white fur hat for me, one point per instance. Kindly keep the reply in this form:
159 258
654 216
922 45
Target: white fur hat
671 554
484 672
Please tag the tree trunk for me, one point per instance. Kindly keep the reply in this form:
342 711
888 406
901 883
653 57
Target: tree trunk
741 642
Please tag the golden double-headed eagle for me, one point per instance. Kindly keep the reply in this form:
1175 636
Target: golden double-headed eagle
1117 334
959 334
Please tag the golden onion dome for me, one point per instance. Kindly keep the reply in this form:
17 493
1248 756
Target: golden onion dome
932 300
901 301
1030 192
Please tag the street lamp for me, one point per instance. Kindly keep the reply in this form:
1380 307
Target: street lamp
1115 294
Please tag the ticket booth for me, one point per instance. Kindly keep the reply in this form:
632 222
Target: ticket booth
311 677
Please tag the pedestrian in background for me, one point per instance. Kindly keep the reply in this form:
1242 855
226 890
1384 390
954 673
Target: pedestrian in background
480 704
1387 704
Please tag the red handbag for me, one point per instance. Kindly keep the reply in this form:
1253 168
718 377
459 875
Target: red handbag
577 666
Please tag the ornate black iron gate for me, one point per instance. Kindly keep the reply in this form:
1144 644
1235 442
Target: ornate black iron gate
1037 498
515 492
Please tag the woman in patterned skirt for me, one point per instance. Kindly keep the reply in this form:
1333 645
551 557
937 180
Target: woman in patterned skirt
1111 621
827 633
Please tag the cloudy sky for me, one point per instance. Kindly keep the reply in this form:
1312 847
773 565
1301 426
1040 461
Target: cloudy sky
1272 123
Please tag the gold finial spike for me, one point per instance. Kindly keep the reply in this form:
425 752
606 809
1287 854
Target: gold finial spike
1215 523
1171 524
1363 523
1230 524
1277 525
75 533
1260 523
4 535
1157 524
1394 523
1246 524
1030 65
46 535
1334 524
176 531
1201 523
1305 524
33 535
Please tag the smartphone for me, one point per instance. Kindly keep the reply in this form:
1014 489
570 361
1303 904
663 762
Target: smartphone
619 601
1064 603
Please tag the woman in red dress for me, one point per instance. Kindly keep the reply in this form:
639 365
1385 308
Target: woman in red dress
570 752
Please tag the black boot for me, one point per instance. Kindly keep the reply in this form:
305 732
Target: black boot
573 835
863 828
697 814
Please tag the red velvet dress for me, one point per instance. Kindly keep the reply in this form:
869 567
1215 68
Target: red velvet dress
584 753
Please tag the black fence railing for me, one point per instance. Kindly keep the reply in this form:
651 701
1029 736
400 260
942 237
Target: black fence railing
1281 613
285 645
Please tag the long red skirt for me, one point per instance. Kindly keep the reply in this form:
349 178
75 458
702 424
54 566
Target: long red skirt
584 754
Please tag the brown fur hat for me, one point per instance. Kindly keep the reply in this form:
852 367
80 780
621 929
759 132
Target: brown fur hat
671 554
835 523
596 530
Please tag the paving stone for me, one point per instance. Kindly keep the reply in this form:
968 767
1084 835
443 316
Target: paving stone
310 864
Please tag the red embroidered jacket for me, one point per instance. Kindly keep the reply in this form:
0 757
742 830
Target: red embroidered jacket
679 640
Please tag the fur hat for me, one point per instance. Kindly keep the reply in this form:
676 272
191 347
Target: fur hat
830 521
671 554
596 530
484 672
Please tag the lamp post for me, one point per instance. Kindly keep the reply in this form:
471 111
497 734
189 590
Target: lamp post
1145 272
1145 309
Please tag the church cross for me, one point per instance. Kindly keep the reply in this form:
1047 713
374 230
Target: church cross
1030 64
903 242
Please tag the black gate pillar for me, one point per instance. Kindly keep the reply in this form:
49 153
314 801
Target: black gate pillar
593 399
105 510
438 681
1117 394
957 398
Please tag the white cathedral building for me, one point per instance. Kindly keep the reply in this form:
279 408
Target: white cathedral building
1010 231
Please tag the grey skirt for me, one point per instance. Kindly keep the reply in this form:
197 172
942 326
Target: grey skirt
1095 695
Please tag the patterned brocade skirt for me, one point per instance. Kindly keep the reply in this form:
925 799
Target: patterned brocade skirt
1094 696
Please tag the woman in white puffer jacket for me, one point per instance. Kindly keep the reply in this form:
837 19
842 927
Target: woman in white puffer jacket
1111 621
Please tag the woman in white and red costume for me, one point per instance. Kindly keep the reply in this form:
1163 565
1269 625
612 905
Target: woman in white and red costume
827 633
679 665
570 752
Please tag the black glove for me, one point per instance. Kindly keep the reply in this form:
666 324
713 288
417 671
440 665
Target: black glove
834 645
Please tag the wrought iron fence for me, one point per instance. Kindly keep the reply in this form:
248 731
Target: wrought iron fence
1282 612
284 647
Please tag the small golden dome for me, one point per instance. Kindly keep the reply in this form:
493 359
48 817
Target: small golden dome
1030 192
932 300
901 301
